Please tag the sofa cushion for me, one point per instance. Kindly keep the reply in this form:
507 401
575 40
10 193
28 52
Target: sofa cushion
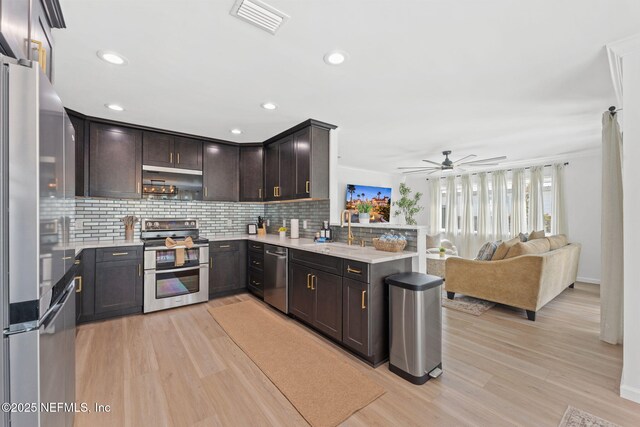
487 250
532 247
433 241
536 235
557 241
503 249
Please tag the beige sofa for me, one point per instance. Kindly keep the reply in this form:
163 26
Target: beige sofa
525 281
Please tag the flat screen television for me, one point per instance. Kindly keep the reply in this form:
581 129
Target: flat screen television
378 197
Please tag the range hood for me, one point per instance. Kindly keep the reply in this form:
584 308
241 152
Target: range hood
162 183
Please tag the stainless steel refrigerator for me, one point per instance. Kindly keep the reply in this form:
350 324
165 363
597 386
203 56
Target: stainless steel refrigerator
37 285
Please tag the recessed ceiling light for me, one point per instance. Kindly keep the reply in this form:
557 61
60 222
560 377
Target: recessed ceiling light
112 57
236 131
335 57
269 106
114 107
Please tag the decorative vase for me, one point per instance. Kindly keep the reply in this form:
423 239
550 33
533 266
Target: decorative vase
283 234
128 234
363 218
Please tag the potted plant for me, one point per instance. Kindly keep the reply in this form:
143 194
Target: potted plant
283 232
443 251
407 205
364 212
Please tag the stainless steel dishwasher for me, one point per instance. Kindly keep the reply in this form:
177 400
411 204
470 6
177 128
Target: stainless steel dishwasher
276 291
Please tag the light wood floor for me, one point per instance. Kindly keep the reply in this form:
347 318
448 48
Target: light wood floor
178 368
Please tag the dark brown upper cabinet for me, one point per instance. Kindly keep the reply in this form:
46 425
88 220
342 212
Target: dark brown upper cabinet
81 158
297 165
251 183
220 175
188 153
115 161
160 149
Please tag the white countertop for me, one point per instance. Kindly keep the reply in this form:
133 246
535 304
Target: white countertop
341 250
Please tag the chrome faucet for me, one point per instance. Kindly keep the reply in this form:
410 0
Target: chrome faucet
347 212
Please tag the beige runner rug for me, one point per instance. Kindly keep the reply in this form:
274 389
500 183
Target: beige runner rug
321 386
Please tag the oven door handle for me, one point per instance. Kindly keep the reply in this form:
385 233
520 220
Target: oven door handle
178 270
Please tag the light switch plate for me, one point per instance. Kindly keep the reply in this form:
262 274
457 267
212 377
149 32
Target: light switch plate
229 222
79 224
304 224
268 223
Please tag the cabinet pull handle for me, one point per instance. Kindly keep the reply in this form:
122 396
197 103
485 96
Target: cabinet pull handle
79 280
306 187
308 281
77 262
66 257
260 193
42 55
205 191
139 270
138 187
353 270
120 253
178 155
274 191
170 157
211 263
363 294
225 246
314 279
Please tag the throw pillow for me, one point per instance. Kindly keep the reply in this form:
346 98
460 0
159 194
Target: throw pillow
523 237
487 250
557 241
536 235
503 249
433 241
532 247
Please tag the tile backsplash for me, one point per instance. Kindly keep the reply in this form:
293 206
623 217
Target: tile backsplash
313 211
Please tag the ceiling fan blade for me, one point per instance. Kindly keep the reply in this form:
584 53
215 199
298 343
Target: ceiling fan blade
491 159
432 162
464 158
418 171
481 164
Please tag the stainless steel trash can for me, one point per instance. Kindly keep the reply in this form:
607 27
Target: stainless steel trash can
415 326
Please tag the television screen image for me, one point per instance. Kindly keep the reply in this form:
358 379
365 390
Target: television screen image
379 198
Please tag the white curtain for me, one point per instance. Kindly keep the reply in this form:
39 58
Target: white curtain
435 206
611 287
518 202
558 213
467 236
500 207
451 224
536 203
484 209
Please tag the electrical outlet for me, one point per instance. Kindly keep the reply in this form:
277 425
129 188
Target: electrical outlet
284 222
268 223
229 222
79 224
304 224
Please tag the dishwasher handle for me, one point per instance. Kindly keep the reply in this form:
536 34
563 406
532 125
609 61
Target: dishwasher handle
276 254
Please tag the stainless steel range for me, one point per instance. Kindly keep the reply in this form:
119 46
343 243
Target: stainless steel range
167 284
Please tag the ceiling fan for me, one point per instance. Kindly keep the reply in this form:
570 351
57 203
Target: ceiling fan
448 164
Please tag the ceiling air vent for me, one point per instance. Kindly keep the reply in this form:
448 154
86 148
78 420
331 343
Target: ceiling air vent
259 14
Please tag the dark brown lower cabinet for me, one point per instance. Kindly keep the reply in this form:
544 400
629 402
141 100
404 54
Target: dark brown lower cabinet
316 299
356 316
227 271
118 285
85 286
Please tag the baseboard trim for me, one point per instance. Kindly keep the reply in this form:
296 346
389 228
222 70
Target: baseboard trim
588 280
630 393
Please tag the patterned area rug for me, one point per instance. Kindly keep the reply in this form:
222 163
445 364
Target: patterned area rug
467 304
574 417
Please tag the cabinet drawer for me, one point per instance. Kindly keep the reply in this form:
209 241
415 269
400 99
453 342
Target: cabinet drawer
117 254
321 262
224 246
255 278
256 247
256 260
356 270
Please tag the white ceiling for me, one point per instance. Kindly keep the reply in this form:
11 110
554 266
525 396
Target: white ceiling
497 77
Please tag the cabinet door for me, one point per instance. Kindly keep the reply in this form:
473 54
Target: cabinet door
220 172
81 168
355 316
300 293
157 149
85 287
14 27
118 286
188 153
115 162
251 177
224 270
271 171
287 183
41 32
327 290
302 143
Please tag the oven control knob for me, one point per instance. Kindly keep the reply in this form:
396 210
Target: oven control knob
156 224
148 225
186 223
193 223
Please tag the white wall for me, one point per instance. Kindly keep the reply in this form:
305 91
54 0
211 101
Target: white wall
419 183
630 385
347 175
583 183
